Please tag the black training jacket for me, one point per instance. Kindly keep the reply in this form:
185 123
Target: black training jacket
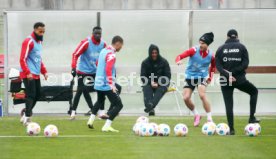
233 57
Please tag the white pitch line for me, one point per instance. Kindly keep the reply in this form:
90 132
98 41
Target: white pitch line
95 136
61 136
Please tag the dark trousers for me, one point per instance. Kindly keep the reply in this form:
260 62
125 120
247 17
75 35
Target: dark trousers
227 92
84 89
114 99
119 88
32 89
152 96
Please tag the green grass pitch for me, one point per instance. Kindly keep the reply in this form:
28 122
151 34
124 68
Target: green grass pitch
76 141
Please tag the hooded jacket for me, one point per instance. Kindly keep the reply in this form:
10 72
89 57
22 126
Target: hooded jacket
159 68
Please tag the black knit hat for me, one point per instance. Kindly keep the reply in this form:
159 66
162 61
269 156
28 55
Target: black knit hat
207 38
232 33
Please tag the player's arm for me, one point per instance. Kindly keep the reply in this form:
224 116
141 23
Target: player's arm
110 60
244 64
27 46
43 70
212 69
82 47
187 53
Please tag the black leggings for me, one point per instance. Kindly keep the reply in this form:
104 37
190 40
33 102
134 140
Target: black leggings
32 89
119 88
152 96
83 88
114 99
227 92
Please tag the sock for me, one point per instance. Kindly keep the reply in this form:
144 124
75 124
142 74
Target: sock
73 113
108 123
209 116
92 117
195 112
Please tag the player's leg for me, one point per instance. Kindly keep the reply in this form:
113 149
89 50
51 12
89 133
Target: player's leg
227 92
77 96
95 109
205 102
148 95
38 89
85 91
250 89
116 101
187 94
30 88
101 112
119 88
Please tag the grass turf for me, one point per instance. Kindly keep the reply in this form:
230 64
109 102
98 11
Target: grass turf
77 141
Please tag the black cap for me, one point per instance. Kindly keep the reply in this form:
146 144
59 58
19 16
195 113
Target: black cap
232 33
207 38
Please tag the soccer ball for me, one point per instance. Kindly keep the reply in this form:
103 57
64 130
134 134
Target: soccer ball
258 127
51 131
137 128
222 129
147 130
180 130
163 130
155 128
33 129
142 119
252 130
209 128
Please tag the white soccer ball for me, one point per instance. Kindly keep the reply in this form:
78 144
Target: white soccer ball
222 129
252 130
163 130
181 130
137 128
142 119
33 129
147 130
51 131
155 128
258 127
209 128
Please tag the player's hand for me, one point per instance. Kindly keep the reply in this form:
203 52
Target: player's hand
30 76
45 76
232 79
154 85
74 72
208 81
179 62
114 89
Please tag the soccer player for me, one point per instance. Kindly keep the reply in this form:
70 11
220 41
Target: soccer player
105 84
200 57
31 66
84 63
155 75
232 61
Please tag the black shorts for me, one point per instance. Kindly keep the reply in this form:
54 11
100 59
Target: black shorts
192 83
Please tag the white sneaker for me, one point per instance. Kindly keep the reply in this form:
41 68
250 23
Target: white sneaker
73 115
90 123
